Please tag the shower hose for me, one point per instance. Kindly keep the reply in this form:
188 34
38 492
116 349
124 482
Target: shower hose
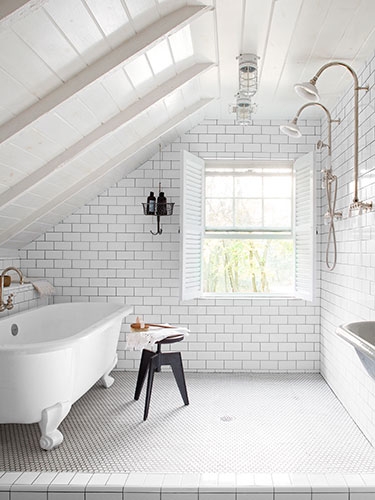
330 182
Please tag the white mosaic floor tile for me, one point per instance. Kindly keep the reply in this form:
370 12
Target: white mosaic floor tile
259 423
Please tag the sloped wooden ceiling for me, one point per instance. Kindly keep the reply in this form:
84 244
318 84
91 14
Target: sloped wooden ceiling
88 88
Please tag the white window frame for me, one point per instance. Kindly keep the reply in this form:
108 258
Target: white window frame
192 229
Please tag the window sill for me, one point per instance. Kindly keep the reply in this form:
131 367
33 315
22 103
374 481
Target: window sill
249 296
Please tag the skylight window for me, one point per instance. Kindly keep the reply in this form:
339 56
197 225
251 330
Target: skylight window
181 44
139 71
160 57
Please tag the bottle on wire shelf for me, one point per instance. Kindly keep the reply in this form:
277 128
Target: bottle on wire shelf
151 202
161 204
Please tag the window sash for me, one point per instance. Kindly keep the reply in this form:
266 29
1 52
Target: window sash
254 168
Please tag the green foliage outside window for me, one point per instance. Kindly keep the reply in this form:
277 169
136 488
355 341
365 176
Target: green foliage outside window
247 266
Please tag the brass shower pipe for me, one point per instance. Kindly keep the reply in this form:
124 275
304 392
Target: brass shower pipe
329 179
309 91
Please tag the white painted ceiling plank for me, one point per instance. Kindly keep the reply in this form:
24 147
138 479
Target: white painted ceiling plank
78 115
127 51
126 135
47 40
166 6
31 201
283 25
255 27
116 122
99 101
12 10
7 222
303 39
14 97
37 144
25 161
229 20
336 21
20 62
74 20
142 12
95 176
112 18
10 175
118 86
57 129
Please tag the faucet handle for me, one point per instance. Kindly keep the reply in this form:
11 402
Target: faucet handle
9 304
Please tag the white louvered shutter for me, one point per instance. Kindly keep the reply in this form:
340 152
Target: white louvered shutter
192 225
304 227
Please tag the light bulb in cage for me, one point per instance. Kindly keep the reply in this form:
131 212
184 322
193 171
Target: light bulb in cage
248 74
243 109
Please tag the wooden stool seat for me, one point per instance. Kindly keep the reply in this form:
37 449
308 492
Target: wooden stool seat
152 362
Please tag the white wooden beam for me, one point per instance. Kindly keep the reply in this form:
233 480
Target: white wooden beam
118 121
127 51
13 10
102 171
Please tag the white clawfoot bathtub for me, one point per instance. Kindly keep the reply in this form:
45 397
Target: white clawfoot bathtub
52 355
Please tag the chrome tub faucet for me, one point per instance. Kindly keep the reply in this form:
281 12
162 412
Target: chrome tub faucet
9 303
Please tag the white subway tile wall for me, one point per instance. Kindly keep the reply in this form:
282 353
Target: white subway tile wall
105 252
348 292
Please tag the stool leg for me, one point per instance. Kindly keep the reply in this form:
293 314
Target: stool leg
152 368
146 356
175 360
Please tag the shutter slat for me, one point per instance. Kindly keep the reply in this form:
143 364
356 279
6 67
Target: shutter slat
192 185
304 224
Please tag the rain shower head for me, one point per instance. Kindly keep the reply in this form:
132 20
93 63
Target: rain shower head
307 90
291 129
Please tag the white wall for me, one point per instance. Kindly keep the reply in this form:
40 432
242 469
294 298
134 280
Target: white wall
347 293
105 250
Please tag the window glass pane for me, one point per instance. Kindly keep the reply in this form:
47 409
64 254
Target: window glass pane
248 266
248 213
248 187
277 213
277 187
221 186
219 213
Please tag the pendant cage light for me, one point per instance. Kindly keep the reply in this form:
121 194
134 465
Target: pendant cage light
247 88
159 206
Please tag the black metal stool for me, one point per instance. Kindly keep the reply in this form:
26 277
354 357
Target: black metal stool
153 361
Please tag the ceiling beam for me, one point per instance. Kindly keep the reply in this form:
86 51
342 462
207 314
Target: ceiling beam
100 172
13 10
127 51
115 123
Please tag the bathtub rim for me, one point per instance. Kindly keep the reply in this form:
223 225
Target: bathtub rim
346 332
122 310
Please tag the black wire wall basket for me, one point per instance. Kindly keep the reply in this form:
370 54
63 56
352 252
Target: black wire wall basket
158 209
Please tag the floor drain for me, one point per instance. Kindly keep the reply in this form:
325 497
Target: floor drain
226 418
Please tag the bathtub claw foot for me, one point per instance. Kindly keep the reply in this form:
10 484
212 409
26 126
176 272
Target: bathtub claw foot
106 379
51 419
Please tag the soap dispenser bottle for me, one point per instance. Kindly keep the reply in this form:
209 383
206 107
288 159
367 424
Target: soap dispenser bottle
151 201
162 204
